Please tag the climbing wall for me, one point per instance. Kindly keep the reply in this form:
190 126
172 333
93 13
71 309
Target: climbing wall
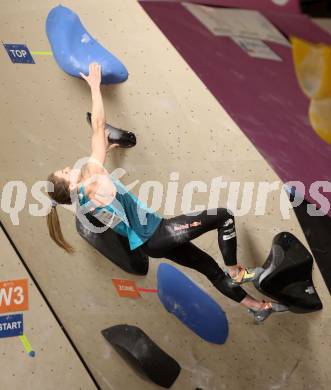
325 23
181 128
41 356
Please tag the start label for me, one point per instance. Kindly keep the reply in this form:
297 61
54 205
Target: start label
19 53
14 296
11 325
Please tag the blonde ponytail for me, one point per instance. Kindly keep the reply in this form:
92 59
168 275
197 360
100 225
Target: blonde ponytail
59 194
55 231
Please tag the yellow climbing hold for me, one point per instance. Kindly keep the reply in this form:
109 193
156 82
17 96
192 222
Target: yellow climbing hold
313 68
320 118
312 63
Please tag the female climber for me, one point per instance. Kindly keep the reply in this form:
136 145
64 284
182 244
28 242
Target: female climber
109 201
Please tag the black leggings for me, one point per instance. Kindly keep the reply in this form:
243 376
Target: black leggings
172 241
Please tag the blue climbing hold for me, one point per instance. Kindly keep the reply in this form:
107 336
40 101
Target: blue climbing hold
74 48
191 305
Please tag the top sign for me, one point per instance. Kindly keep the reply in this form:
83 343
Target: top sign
19 53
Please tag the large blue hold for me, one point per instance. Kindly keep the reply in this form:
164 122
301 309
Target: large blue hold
74 48
191 305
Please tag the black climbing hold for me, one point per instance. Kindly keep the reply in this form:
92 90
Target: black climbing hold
317 229
115 247
143 354
288 275
125 139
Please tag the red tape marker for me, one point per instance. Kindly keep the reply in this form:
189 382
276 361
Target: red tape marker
147 290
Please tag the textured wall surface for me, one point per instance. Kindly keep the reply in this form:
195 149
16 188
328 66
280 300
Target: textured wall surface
288 6
262 96
55 363
180 127
325 23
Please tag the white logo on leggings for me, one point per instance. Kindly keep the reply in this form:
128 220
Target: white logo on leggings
228 222
229 236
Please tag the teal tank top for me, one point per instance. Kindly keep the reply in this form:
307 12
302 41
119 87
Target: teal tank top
126 215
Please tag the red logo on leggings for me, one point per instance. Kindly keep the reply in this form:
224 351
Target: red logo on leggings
186 226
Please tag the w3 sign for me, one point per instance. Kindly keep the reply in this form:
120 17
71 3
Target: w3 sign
14 296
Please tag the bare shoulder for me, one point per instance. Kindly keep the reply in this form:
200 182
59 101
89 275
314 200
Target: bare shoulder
91 168
101 190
